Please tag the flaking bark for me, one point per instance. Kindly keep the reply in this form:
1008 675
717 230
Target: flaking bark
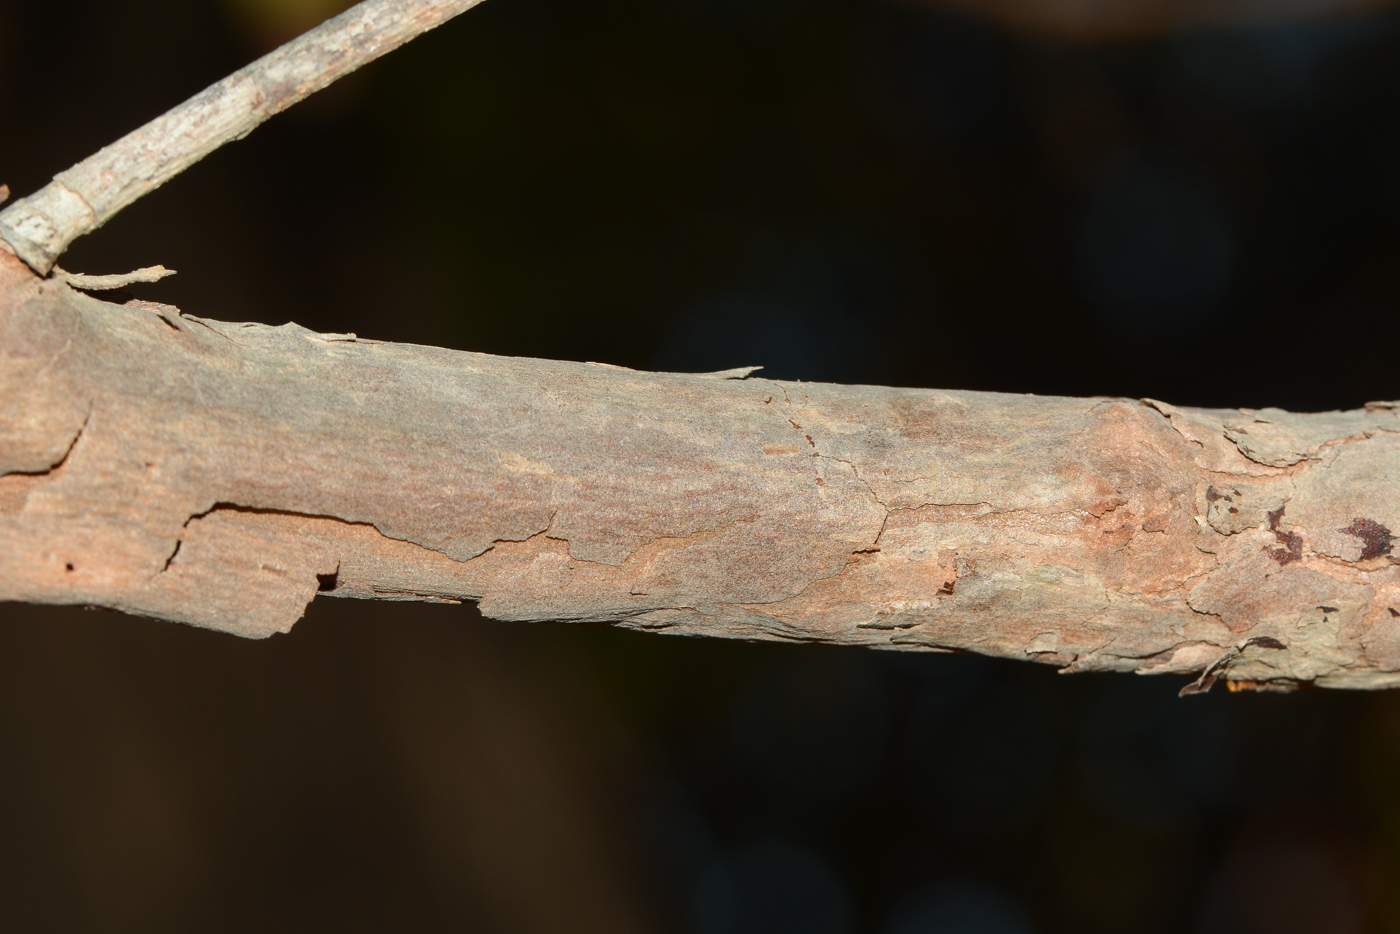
223 474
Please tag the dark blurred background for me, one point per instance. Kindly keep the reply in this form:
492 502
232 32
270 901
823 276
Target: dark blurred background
839 190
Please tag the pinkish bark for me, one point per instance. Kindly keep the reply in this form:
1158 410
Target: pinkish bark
223 474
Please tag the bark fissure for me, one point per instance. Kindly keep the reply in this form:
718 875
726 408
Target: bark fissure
63 457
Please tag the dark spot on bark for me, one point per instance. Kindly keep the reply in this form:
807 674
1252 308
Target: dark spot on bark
1375 538
325 582
1234 511
1211 494
1292 542
947 588
794 424
1266 642
1393 611
821 482
811 442
68 566
1292 549
1328 609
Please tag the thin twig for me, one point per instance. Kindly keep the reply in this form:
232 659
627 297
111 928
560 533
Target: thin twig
41 226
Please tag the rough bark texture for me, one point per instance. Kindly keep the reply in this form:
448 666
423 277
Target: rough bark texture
83 198
222 474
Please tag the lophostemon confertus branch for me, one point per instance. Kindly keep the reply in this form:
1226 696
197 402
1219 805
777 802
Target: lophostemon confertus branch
225 474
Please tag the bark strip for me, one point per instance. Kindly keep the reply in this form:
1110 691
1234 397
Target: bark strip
225 474
83 198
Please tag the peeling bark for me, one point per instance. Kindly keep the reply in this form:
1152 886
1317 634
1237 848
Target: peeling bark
225 474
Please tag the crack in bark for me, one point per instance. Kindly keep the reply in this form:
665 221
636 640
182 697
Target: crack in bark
62 458
266 511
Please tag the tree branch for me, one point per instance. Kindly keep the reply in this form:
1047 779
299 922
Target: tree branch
224 474
40 227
